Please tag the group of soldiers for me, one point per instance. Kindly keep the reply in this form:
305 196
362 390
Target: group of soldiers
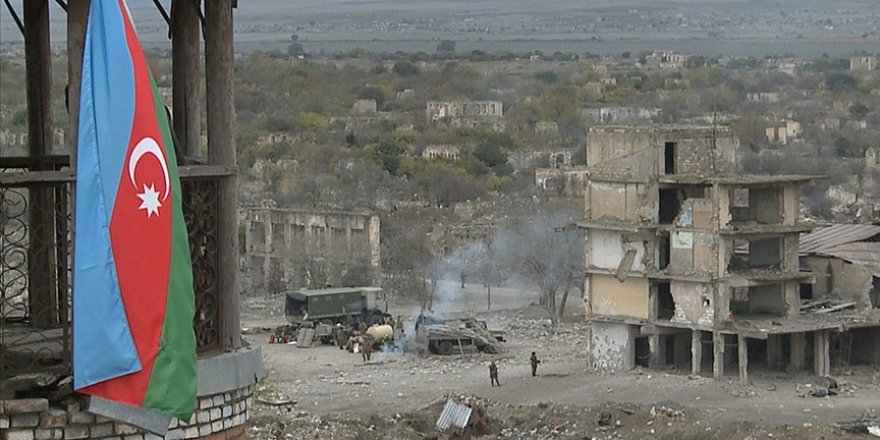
493 369
359 340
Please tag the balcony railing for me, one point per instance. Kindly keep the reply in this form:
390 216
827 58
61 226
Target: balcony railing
36 260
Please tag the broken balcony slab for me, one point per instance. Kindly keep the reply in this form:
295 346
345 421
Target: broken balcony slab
760 229
738 180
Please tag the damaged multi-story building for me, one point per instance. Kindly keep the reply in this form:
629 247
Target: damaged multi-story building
294 248
466 114
690 264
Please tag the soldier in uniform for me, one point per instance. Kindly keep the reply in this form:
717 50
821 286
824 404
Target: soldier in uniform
366 347
534 361
493 374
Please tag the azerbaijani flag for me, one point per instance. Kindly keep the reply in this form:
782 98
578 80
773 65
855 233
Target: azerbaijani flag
133 302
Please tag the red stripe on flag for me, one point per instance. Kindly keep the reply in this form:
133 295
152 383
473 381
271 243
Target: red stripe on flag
140 233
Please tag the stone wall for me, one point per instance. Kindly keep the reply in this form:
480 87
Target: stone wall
612 346
226 388
220 416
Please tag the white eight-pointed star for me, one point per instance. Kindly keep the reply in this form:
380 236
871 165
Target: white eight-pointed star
150 200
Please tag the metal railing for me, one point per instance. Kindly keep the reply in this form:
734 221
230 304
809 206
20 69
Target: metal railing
36 261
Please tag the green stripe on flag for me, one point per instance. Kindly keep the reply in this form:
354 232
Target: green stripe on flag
174 379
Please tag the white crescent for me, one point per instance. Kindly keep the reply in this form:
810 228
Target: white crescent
146 146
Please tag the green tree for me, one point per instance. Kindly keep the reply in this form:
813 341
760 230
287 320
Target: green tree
490 154
839 82
313 123
295 50
859 110
446 46
405 68
388 155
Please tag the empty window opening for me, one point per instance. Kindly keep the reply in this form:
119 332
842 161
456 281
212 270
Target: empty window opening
642 351
757 353
665 303
663 251
739 204
670 205
766 252
669 158
806 290
875 293
766 300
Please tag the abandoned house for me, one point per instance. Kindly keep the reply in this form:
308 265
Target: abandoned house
692 265
286 248
466 114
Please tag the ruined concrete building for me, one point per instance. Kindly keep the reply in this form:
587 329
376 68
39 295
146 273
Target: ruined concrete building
690 264
287 248
466 113
449 152
862 62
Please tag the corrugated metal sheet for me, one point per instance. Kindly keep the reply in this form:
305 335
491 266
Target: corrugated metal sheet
824 239
453 414
864 253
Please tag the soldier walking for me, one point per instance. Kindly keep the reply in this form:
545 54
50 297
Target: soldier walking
493 374
534 361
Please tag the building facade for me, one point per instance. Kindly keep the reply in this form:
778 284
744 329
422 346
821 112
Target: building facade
690 264
286 248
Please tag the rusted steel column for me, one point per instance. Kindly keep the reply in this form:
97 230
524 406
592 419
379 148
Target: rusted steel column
219 70
42 270
186 59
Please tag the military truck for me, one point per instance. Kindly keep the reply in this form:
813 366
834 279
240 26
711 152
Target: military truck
324 308
449 335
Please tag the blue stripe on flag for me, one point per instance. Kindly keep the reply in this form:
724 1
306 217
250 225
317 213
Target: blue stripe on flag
103 347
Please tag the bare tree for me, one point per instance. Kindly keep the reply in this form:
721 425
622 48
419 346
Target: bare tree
548 254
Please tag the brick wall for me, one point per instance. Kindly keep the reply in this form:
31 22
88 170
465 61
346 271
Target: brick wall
218 417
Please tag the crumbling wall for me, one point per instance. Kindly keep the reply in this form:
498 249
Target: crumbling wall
610 297
836 278
694 302
765 205
312 245
618 201
621 151
612 346
766 299
607 249
700 150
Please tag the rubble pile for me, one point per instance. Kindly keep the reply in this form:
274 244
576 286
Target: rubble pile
608 421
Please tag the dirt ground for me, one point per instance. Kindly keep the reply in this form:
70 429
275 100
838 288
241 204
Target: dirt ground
334 394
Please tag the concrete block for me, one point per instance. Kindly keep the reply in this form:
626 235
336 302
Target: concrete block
48 434
124 429
230 371
20 434
205 403
203 416
4 421
81 418
102 430
21 406
191 432
174 434
227 423
25 420
74 432
174 423
217 426
134 437
217 400
102 419
53 418
227 410
205 430
216 414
